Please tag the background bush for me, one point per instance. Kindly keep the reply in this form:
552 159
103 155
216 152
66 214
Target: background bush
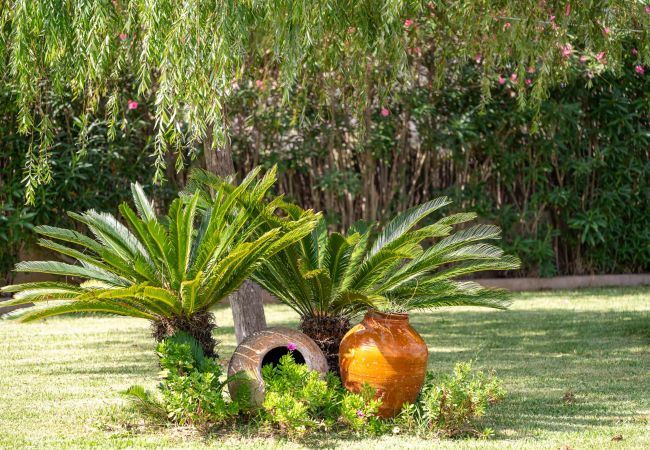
569 182
95 176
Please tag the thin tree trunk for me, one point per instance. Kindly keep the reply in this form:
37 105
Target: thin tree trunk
246 304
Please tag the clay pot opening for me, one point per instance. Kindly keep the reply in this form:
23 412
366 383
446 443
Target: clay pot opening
374 314
273 356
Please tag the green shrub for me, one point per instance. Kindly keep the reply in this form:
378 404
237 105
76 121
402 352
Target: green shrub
297 401
450 406
192 387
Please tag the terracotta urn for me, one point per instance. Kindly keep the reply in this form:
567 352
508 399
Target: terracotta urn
388 354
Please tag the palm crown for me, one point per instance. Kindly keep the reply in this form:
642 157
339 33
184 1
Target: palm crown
166 270
328 278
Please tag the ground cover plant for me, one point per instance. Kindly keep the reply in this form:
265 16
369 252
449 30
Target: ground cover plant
574 365
165 269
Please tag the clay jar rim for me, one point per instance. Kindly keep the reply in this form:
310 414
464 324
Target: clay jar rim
379 315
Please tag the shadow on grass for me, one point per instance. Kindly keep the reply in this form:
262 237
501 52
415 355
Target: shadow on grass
542 354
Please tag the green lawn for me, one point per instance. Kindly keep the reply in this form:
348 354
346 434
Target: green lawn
59 379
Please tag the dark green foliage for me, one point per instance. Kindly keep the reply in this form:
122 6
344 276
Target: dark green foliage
192 389
568 180
96 175
298 401
450 407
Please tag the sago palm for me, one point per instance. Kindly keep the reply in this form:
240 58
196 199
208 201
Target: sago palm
169 270
329 278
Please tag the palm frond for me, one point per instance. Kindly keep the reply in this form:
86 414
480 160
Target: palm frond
405 221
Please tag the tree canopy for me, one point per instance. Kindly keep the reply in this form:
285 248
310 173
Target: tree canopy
186 58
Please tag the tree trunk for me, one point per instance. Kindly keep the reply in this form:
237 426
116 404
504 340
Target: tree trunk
245 304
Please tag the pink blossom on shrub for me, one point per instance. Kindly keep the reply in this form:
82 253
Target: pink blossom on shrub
567 51
567 10
385 112
502 80
122 36
408 23
291 346
131 104
639 69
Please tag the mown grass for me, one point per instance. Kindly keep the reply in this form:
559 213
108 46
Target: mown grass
60 379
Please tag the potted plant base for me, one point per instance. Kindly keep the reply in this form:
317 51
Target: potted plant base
388 354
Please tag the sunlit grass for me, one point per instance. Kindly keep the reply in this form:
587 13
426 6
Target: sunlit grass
60 379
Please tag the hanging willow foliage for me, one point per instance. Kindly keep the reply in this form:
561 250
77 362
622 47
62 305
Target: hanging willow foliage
188 56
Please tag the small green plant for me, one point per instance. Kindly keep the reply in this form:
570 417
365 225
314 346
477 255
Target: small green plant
192 387
298 400
450 406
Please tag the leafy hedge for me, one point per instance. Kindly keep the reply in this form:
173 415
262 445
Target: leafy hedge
569 181
97 176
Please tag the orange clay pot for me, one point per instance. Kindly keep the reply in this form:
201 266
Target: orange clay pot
387 353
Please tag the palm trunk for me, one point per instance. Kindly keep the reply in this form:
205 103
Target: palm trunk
327 332
199 326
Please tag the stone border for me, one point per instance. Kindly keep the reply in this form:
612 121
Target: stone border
568 282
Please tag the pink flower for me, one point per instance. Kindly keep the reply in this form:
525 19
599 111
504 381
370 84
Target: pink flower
507 25
635 52
259 84
513 78
123 36
583 59
606 30
567 11
478 58
639 69
600 56
529 81
502 80
567 50
132 104
385 112
359 413
408 23
552 18
647 9
291 346
531 69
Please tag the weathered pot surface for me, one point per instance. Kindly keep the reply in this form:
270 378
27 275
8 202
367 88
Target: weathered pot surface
388 354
